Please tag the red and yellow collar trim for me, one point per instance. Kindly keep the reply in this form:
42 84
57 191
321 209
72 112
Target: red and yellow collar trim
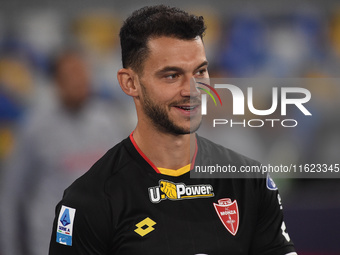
166 171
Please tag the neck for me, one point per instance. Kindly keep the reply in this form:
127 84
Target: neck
163 149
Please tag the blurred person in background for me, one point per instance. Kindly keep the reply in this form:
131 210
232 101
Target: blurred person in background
55 145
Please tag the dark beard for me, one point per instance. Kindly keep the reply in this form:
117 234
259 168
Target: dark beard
160 118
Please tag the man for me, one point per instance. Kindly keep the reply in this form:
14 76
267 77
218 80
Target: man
139 198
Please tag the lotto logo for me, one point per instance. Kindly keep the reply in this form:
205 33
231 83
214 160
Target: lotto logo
145 227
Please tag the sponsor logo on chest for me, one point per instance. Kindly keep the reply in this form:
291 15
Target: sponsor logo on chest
179 191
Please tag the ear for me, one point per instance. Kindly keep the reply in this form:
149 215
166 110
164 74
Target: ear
127 80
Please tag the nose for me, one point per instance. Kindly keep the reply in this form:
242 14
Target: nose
190 88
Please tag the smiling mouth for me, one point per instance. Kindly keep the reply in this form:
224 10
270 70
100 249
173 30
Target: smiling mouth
187 105
187 108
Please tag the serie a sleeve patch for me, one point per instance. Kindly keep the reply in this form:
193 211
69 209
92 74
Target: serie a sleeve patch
65 225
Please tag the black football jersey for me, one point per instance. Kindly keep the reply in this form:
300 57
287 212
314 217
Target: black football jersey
123 206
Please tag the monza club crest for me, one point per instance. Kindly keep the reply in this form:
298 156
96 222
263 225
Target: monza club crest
228 213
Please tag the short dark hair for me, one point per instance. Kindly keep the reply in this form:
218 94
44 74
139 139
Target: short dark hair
152 22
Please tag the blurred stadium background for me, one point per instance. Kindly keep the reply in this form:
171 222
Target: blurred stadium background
279 39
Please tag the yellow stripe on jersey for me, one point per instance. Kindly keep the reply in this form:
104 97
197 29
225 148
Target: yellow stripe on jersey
173 172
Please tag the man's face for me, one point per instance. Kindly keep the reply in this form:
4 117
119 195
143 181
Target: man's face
73 81
168 95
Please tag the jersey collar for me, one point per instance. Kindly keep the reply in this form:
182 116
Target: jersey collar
167 171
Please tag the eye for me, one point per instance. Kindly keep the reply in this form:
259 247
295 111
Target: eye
172 76
201 72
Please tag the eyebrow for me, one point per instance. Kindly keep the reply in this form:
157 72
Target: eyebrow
177 69
204 63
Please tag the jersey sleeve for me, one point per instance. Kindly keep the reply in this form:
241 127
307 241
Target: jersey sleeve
271 237
82 224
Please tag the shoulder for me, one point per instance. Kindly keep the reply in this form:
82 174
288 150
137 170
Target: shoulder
92 184
220 153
